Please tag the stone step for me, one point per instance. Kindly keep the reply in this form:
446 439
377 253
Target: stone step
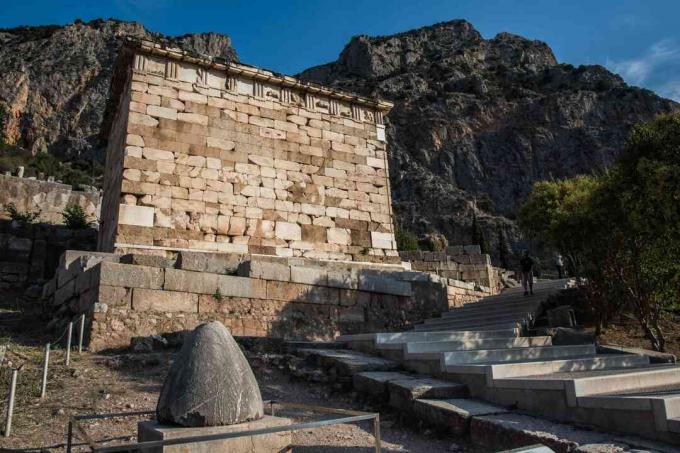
403 393
394 340
544 367
374 383
487 327
453 415
488 343
347 363
661 407
515 354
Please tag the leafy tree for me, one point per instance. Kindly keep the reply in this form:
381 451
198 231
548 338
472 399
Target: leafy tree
621 230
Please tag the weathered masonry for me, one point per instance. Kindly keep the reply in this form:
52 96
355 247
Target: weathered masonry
231 158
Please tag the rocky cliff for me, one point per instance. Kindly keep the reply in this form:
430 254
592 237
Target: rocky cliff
476 121
55 81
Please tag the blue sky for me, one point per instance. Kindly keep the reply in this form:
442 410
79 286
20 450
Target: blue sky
639 39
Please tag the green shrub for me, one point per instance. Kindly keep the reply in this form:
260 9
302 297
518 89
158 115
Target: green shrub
406 240
75 217
23 217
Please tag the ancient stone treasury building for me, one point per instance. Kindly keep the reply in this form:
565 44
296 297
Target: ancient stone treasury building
231 158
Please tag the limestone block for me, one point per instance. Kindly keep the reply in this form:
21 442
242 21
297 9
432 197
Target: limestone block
114 296
193 118
266 270
339 236
134 140
237 226
231 286
157 154
131 276
295 292
192 97
288 231
383 240
161 112
380 282
226 145
313 233
135 215
190 282
142 119
163 301
309 275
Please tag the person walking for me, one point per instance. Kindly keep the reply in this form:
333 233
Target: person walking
559 265
527 266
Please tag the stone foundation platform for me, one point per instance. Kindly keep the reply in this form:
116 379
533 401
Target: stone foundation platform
125 296
264 443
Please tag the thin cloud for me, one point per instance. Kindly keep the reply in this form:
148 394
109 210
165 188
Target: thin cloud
653 69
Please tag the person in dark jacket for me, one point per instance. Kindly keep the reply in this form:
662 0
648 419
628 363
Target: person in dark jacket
527 266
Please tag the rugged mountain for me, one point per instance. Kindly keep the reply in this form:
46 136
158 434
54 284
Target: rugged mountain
56 79
476 121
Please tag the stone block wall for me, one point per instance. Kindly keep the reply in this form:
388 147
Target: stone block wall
30 253
231 158
461 263
51 198
138 295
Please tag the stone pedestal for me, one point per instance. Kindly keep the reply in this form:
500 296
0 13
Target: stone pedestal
264 443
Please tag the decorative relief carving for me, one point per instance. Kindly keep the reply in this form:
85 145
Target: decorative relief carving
379 117
309 101
171 69
231 83
334 107
356 113
258 89
202 76
286 95
297 99
322 104
140 63
368 116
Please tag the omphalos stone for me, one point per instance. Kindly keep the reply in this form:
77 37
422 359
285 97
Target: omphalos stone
210 383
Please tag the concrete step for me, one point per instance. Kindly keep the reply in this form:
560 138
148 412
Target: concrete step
515 354
398 338
482 327
545 367
661 407
488 343
491 319
496 311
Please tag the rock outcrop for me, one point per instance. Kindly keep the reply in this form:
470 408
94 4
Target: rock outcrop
477 121
55 81
210 382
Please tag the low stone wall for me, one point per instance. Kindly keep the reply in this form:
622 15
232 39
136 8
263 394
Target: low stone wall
462 263
30 253
459 293
253 295
51 198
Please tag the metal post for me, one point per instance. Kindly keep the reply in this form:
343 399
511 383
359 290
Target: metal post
46 364
10 404
81 332
68 343
376 433
69 438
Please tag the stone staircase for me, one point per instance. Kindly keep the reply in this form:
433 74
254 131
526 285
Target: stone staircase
478 356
